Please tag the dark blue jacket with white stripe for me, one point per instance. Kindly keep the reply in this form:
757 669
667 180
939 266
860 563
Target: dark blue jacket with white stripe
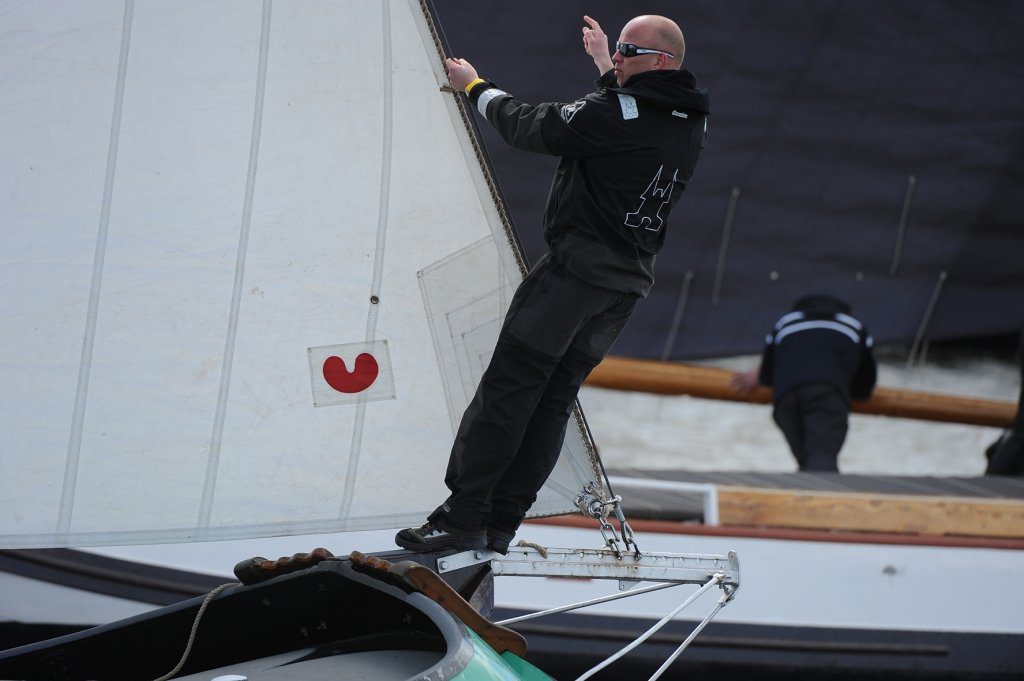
832 348
626 155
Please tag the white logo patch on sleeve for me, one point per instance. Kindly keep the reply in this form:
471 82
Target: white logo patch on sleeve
569 110
628 104
486 97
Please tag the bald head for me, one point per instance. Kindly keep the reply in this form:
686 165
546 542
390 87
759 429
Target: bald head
660 33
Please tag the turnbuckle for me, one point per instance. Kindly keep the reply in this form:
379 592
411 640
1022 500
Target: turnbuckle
589 503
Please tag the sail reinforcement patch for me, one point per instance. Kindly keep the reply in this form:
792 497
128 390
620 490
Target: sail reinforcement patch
351 373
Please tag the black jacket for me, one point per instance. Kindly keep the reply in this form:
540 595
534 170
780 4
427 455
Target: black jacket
627 154
819 346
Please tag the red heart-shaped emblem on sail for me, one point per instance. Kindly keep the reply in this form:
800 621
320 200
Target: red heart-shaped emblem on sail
344 381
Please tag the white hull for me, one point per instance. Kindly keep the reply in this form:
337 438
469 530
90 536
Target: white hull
784 582
802 606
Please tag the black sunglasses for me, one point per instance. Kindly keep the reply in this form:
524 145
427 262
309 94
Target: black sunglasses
630 50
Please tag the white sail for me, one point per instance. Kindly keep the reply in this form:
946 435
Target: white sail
252 271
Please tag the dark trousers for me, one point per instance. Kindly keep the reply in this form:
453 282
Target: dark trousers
813 417
557 329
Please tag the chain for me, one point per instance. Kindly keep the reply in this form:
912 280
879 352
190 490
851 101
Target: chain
589 503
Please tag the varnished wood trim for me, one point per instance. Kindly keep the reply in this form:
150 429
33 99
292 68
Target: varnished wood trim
666 378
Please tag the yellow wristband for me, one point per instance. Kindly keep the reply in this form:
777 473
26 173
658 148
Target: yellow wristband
473 83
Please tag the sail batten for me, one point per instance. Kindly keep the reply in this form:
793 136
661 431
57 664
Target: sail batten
303 269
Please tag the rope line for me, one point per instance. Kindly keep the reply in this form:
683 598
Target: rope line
654 629
492 185
689 639
195 627
503 214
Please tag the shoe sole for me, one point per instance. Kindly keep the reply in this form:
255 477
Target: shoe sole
439 544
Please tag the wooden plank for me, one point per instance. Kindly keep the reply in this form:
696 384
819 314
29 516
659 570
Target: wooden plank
906 514
643 527
666 378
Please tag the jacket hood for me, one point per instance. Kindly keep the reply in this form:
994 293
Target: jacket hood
676 89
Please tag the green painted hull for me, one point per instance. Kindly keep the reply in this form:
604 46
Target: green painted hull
487 665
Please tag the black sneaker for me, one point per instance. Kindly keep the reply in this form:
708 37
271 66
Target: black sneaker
437 535
498 540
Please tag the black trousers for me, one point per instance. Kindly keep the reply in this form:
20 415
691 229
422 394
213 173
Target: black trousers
814 419
557 329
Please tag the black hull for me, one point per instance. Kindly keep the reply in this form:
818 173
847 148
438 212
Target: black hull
566 645
330 610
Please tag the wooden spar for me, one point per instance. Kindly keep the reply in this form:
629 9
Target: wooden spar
666 378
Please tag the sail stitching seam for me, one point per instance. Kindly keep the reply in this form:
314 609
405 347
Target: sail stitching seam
67 497
387 134
213 458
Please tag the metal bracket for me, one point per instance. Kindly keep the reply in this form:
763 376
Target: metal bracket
457 561
676 568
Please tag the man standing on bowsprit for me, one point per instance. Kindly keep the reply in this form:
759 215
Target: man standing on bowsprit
627 152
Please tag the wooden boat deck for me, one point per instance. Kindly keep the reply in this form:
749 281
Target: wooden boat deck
971 508
932 506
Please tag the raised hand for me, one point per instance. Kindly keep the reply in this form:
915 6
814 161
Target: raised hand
595 42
